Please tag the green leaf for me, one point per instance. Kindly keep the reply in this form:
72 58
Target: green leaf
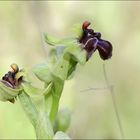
8 93
61 135
28 107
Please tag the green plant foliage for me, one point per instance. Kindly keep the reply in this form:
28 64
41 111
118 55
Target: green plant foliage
62 62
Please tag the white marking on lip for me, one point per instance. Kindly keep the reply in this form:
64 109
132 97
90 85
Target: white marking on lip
95 44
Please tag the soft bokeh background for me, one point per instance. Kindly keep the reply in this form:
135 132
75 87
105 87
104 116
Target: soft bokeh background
21 26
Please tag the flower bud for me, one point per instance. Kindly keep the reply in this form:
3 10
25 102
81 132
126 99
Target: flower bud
62 121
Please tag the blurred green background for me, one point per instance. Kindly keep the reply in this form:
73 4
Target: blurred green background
21 27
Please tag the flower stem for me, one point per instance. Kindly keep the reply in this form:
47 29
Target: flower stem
56 94
114 102
39 120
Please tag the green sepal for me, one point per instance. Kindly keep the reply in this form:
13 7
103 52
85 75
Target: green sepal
77 30
68 57
61 69
36 92
75 49
51 40
42 71
8 93
55 41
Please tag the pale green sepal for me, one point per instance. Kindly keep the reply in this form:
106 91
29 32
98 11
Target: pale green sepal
77 30
75 49
61 69
8 93
42 71
36 92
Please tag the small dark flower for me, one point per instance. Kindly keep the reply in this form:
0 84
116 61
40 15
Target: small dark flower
92 41
10 79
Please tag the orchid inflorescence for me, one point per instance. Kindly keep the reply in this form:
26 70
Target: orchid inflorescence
63 60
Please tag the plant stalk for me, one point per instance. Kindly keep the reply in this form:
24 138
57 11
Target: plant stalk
39 120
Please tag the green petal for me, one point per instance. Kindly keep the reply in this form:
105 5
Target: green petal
61 69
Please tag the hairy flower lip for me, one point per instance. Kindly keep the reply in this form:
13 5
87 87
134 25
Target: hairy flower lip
105 49
92 41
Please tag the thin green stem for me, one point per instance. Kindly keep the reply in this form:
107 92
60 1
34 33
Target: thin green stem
56 94
54 109
114 102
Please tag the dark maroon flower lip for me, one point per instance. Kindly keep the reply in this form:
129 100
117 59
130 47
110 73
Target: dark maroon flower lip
105 49
92 41
9 79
